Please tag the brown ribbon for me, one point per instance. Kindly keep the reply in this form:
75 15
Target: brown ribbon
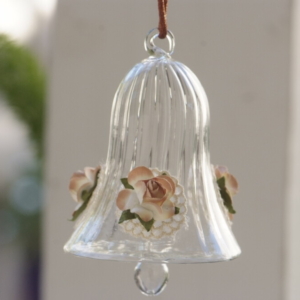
162 25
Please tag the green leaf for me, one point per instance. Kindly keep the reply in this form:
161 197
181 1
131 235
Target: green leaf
164 173
126 215
86 197
227 200
225 195
126 184
77 212
177 210
147 225
221 183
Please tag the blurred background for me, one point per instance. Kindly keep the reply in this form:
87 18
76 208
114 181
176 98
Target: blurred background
24 73
60 65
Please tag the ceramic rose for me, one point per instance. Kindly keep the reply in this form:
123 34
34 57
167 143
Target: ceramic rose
230 181
150 196
228 187
81 187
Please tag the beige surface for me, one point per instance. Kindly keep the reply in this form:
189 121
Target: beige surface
240 51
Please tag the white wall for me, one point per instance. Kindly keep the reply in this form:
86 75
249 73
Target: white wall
292 221
240 49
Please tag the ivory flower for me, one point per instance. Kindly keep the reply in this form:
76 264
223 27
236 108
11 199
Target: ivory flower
228 186
231 183
149 196
83 181
81 187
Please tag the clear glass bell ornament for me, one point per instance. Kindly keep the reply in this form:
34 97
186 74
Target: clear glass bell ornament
156 199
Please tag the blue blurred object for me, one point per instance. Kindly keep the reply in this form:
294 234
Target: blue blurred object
26 195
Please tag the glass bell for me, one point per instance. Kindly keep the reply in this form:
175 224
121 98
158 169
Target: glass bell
157 200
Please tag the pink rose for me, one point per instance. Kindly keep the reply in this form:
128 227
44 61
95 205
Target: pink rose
150 197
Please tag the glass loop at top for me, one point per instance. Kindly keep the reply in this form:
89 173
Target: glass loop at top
152 48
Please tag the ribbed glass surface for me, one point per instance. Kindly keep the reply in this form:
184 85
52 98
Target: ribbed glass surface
159 119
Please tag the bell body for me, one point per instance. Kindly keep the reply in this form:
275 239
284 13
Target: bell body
160 121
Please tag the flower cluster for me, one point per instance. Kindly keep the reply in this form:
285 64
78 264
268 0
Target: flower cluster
228 187
150 197
147 197
82 185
